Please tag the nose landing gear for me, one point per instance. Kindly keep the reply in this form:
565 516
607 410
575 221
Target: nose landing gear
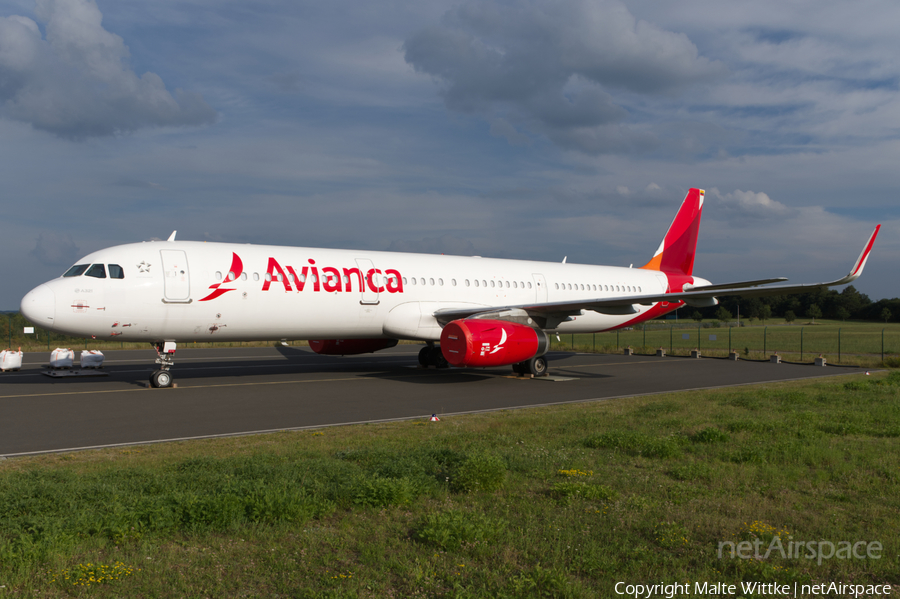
165 353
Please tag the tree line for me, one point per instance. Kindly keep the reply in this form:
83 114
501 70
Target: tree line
848 304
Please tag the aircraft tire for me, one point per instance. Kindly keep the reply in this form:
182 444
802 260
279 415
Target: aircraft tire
161 379
424 355
438 358
537 366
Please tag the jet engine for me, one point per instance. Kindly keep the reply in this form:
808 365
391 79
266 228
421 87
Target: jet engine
349 347
483 342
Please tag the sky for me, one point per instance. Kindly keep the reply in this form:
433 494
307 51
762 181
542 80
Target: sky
537 130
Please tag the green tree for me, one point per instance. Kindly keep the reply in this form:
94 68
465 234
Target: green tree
814 312
843 313
697 316
765 312
723 314
885 315
789 316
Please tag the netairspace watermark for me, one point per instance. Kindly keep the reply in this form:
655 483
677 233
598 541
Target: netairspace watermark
812 550
681 589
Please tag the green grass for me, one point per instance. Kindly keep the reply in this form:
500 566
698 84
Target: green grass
856 343
548 502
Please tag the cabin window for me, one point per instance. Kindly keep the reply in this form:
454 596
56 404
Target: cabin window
77 270
529 284
231 276
290 277
279 277
413 280
312 279
243 276
256 276
453 282
218 275
557 285
441 282
98 271
476 282
467 282
483 282
492 283
268 276
431 282
116 271
515 286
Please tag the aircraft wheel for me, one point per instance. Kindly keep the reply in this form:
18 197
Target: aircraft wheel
161 379
438 358
424 355
537 366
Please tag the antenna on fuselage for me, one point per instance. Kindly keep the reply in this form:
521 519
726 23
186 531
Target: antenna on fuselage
172 236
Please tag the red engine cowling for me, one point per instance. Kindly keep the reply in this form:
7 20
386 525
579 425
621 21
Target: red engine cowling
483 342
349 347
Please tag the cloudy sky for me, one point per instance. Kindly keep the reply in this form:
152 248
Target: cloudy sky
520 129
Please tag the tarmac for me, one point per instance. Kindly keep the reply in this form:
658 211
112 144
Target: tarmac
239 391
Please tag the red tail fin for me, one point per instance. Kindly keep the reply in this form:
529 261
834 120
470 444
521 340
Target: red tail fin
676 252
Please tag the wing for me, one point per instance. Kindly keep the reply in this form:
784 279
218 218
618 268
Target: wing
552 313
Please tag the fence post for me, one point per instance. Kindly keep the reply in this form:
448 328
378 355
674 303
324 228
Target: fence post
617 339
573 341
801 344
765 330
839 345
882 346
729 340
9 328
645 336
698 336
595 342
671 347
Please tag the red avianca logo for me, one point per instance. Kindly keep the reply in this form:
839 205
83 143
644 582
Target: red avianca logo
236 268
330 279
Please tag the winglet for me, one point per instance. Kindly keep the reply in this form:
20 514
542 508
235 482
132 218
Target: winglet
861 261
172 236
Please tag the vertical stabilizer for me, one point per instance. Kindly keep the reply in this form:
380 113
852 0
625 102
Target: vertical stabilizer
678 248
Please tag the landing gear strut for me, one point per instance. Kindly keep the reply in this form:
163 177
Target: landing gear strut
165 353
431 355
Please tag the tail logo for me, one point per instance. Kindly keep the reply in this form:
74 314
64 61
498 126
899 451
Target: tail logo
233 273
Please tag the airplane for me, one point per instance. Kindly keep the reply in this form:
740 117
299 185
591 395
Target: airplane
470 311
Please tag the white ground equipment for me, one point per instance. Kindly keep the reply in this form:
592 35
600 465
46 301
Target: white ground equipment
10 360
61 361
62 358
91 358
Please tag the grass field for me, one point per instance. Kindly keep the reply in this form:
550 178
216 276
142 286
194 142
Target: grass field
857 343
549 502
846 343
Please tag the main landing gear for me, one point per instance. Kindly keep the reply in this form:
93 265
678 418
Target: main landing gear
536 366
165 353
431 355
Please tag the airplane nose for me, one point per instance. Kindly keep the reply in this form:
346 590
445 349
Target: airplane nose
39 306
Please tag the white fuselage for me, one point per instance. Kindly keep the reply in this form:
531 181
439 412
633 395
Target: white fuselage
181 291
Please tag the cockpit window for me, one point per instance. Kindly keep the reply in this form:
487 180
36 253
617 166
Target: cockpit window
77 270
116 272
96 270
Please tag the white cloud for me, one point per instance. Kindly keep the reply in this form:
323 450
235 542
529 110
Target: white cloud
76 82
750 204
550 66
